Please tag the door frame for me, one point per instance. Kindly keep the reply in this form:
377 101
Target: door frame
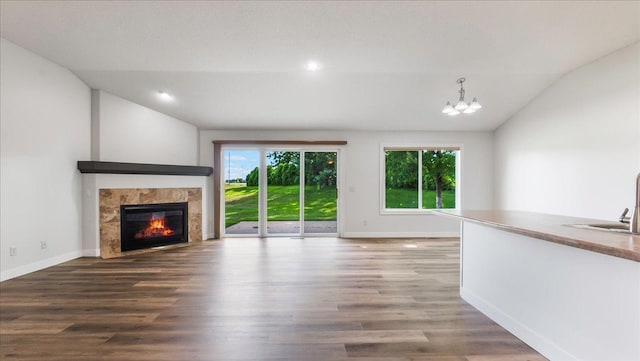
303 146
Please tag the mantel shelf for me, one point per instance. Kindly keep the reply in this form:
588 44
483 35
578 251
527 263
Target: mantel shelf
142 168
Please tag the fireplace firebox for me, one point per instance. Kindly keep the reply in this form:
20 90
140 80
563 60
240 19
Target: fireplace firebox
152 225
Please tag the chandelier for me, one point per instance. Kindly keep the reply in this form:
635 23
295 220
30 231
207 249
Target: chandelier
461 105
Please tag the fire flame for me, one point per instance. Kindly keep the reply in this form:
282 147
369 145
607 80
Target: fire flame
155 228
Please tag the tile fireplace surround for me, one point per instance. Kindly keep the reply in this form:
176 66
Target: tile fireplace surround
110 201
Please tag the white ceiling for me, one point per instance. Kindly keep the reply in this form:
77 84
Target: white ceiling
387 65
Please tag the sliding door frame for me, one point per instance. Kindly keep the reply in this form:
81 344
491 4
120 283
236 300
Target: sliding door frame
263 146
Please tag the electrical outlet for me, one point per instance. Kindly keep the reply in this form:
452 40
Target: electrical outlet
43 244
13 251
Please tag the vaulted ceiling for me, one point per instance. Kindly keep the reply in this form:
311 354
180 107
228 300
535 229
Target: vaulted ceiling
385 65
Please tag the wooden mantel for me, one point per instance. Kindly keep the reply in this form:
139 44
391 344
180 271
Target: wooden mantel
142 168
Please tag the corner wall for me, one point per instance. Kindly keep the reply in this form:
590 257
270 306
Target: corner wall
127 132
45 129
575 149
360 174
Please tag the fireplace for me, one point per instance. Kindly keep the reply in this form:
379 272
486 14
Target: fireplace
152 225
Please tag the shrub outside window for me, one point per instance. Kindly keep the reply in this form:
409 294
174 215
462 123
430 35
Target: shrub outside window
419 178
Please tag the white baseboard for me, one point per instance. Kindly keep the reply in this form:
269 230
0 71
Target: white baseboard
36 266
538 342
91 253
400 234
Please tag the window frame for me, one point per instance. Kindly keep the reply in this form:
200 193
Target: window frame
418 147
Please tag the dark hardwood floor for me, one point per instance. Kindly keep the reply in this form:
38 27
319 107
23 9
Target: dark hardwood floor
252 299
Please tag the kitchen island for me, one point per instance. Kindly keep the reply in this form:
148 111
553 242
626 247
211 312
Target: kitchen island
570 293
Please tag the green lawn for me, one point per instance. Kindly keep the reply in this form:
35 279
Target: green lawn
407 198
282 203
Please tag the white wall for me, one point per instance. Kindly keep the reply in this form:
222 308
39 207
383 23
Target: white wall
575 149
131 133
361 173
45 129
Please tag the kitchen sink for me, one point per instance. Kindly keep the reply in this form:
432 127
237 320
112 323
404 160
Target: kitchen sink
607 227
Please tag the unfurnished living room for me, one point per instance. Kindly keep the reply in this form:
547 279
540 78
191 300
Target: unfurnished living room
320 180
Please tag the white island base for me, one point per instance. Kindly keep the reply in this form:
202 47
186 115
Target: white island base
565 302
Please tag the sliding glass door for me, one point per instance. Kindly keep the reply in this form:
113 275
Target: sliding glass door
280 192
320 193
283 193
241 191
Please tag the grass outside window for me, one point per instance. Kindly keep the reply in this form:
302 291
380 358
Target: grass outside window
282 203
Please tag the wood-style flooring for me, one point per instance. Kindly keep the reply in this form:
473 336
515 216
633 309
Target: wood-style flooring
255 299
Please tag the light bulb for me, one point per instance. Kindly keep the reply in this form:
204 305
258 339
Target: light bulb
165 96
461 105
469 110
448 108
475 105
454 112
313 65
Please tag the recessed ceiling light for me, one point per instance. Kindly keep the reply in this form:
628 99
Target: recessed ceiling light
313 65
164 96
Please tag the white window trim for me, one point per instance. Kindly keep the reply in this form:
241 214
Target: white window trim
418 147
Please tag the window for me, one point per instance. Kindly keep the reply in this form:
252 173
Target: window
419 178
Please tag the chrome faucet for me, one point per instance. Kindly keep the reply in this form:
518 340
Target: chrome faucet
634 223
624 219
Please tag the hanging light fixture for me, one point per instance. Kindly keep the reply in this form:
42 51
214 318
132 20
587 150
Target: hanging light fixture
461 105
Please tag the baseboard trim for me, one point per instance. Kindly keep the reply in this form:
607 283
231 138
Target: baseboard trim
91 252
36 266
400 234
538 342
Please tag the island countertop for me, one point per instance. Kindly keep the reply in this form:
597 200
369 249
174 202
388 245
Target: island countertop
555 228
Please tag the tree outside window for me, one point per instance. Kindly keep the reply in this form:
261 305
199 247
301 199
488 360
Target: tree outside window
420 178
